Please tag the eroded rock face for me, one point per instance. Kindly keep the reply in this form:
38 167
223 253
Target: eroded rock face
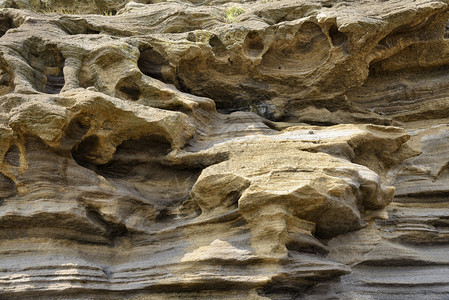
172 150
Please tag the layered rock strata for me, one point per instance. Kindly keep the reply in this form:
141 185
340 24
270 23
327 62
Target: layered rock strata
218 150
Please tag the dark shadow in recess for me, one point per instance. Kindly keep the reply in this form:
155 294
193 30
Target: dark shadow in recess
253 44
128 89
48 61
218 48
12 156
338 38
153 64
7 188
6 23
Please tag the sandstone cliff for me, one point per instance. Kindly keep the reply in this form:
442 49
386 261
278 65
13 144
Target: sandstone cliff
269 149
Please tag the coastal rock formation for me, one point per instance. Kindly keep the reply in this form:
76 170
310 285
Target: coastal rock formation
223 150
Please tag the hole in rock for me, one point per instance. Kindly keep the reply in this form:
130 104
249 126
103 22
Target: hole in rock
132 153
114 230
12 157
338 38
127 154
253 44
86 151
153 145
218 48
129 91
76 26
6 23
50 63
191 37
92 31
153 64
388 41
136 166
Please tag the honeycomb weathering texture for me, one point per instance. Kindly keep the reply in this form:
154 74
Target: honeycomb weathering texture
220 150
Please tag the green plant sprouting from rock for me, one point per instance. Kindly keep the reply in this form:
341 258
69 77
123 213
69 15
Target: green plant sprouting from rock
233 12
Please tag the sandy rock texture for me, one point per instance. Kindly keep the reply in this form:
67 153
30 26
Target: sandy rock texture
224 150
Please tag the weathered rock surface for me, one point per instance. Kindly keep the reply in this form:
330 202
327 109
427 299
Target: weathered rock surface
220 150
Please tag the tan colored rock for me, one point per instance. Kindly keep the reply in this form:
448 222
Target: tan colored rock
119 179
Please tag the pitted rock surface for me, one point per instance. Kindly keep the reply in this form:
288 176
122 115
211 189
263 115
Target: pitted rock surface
269 149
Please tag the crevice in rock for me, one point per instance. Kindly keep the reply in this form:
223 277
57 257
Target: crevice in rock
153 64
338 38
426 194
6 23
128 89
441 223
271 124
87 30
114 230
307 244
218 48
6 78
137 166
164 215
92 31
152 145
86 151
126 157
76 26
253 44
446 30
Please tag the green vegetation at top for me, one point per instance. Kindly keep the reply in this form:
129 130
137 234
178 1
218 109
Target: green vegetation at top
233 12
